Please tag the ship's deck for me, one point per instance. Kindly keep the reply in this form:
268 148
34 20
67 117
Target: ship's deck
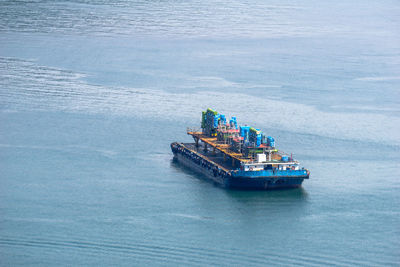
217 158
225 148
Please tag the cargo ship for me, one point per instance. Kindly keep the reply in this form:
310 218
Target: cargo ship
240 157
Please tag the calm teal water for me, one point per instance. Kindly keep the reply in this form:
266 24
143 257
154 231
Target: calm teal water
93 92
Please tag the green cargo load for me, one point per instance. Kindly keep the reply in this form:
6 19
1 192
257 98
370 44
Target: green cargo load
203 119
210 111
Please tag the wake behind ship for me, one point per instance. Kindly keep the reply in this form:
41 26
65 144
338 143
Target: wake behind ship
238 157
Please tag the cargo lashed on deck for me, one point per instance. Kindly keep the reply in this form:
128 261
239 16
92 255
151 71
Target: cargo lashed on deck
241 157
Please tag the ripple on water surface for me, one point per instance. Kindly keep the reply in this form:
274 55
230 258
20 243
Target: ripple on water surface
27 85
181 252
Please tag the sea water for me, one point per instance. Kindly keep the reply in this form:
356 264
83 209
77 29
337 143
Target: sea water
93 92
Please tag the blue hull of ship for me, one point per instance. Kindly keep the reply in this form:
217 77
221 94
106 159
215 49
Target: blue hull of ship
249 180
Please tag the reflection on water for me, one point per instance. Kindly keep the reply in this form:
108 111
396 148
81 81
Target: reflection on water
288 194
